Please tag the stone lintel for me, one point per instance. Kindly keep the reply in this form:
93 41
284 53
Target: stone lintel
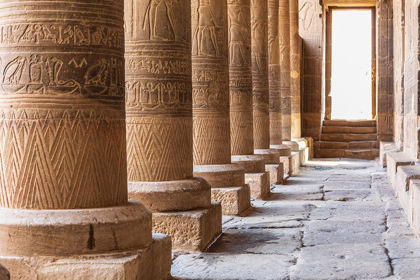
235 200
394 160
191 230
150 262
259 184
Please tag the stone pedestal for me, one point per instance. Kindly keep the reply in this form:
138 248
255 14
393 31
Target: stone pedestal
211 115
64 208
295 75
272 165
284 43
241 99
159 124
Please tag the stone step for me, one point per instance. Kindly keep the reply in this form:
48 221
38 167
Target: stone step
355 123
349 129
349 145
350 153
348 137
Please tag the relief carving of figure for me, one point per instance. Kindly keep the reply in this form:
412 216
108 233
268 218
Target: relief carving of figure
239 32
151 17
206 23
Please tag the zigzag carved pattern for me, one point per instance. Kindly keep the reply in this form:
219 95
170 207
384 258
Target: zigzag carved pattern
241 130
159 149
261 132
67 163
211 140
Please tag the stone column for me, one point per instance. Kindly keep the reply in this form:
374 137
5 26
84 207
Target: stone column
241 107
211 119
274 85
64 208
284 44
295 62
260 90
160 124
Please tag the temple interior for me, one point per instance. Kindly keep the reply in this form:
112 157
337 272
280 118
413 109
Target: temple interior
209 139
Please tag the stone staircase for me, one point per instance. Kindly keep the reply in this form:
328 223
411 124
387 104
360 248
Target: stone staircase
349 139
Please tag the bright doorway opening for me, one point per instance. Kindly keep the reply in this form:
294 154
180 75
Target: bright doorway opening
351 75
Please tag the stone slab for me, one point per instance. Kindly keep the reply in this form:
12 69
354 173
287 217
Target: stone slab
190 230
394 160
276 173
343 232
299 192
350 211
415 204
402 187
231 266
259 184
348 195
347 186
151 262
344 261
276 241
234 200
407 268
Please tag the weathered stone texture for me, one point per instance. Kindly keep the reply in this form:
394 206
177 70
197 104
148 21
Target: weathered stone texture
274 73
284 44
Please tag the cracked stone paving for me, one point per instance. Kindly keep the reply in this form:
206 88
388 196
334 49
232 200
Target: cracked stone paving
337 219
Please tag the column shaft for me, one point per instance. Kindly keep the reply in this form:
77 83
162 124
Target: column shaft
274 73
284 35
295 60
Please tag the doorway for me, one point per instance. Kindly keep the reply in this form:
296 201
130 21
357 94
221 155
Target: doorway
353 94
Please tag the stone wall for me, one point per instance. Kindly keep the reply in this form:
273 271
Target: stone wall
310 29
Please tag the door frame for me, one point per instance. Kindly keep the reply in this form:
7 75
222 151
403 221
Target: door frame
328 57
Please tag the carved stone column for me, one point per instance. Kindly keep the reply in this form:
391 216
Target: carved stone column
295 61
211 119
64 208
284 43
260 90
241 107
159 124
276 139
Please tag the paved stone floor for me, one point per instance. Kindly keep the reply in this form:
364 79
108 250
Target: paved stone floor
338 219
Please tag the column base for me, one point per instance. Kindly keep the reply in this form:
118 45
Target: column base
235 200
250 163
4 273
151 262
191 230
259 184
271 156
276 173
228 186
286 161
294 146
283 150
103 243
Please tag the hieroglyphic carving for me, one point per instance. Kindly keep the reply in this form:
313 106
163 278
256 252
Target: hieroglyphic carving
158 90
295 62
284 43
240 77
260 88
274 73
210 82
62 105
